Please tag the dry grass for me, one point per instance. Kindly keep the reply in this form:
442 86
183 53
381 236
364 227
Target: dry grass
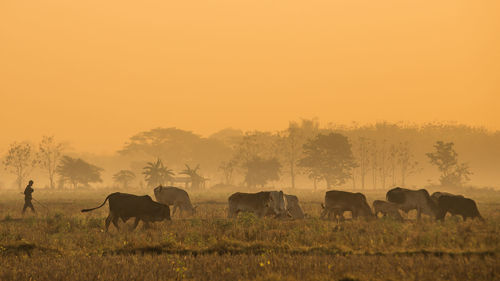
64 244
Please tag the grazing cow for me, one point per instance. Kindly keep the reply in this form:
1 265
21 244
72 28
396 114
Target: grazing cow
387 209
337 202
455 205
124 206
293 207
179 198
413 199
435 196
262 204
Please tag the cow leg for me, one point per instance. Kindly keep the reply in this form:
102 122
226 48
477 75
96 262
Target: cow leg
174 209
323 214
115 222
336 214
419 213
108 221
136 222
146 225
354 214
328 214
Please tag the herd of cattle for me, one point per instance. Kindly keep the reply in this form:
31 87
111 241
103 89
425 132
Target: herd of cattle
279 205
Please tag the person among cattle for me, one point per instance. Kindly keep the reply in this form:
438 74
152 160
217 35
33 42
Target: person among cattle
28 197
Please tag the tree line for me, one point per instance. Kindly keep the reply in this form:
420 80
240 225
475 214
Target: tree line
364 157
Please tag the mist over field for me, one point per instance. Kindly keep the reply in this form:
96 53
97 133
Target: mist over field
378 151
249 140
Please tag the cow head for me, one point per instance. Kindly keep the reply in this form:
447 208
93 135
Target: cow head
163 213
193 210
366 212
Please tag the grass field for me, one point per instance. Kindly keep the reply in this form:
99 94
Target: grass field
60 243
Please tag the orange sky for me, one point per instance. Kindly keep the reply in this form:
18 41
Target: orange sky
96 72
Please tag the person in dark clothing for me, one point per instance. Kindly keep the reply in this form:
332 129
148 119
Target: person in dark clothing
27 197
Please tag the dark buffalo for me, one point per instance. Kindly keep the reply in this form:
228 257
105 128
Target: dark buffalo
125 206
456 205
174 196
413 199
337 202
264 203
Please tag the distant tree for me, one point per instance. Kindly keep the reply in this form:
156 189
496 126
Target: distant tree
49 154
330 157
385 162
256 144
362 153
77 171
374 162
406 161
227 168
20 160
393 161
446 159
197 181
292 141
178 146
155 173
124 177
260 171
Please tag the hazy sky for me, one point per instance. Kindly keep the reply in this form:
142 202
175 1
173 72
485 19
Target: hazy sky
96 72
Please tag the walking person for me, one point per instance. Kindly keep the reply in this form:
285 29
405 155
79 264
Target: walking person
27 197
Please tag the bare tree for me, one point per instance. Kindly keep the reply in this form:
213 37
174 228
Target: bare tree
292 142
374 162
393 161
385 162
406 161
20 160
49 154
227 168
362 152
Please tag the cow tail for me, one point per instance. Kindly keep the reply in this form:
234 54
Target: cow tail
88 210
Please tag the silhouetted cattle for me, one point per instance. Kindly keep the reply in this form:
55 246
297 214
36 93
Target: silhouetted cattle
124 206
435 196
293 207
264 203
455 205
387 209
413 199
173 196
337 202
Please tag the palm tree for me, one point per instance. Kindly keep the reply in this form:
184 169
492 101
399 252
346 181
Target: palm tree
157 174
124 177
196 179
